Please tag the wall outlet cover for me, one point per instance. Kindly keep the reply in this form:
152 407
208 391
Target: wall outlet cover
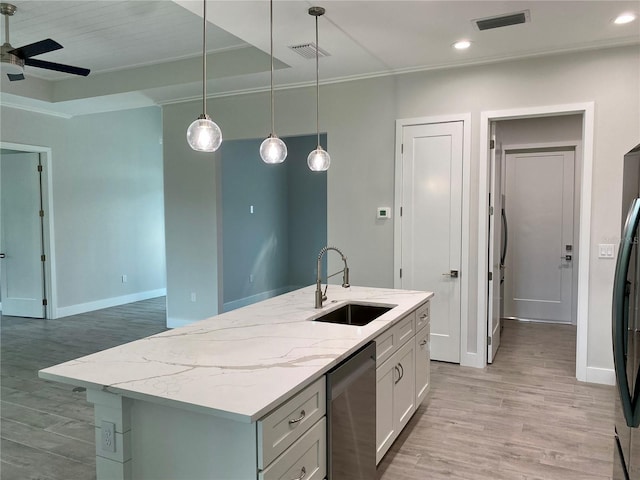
383 212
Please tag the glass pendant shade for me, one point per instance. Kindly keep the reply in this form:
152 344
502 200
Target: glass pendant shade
319 160
273 150
204 135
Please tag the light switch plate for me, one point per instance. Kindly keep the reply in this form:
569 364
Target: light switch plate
606 250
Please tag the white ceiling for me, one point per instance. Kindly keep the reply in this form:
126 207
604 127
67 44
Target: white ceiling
145 52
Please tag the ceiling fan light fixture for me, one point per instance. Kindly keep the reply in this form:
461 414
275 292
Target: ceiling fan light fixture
319 159
204 135
272 150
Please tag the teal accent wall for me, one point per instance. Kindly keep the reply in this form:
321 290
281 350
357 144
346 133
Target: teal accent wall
274 249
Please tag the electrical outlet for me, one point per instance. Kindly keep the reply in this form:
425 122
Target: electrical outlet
108 436
193 296
124 279
250 278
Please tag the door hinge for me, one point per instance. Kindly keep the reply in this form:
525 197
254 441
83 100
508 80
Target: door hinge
492 144
488 340
490 210
400 273
44 302
43 258
41 213
40 168
402 148
490 276
400 211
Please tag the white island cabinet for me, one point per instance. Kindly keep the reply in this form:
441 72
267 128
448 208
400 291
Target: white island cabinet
402 375
239 396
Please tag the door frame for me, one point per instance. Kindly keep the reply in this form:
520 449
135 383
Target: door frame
587 110
467 358
51 290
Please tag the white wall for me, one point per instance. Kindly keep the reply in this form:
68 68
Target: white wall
359 118
192 216
107 202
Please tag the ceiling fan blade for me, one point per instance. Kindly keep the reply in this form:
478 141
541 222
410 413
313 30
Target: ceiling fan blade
37 48
14 77
58 67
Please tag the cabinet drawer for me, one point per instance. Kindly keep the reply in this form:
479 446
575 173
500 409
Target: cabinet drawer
422 316
406 329
306 458
388 342
289 421
385 346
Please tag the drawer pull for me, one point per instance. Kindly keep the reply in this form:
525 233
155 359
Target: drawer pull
401 371
397 369
303 473
423 343
296 420
423 316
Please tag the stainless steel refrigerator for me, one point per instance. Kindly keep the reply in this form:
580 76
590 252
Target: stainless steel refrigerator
626 327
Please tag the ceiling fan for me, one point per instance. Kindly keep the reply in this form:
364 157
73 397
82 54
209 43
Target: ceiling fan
13 60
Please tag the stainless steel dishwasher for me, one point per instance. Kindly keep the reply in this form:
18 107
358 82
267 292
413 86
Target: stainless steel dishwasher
351 407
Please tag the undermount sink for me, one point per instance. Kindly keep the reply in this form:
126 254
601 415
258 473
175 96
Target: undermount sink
353 314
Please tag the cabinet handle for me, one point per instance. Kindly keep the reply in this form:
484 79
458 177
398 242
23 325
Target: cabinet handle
423 316
423 343
303 474
296 420
401 371
399 376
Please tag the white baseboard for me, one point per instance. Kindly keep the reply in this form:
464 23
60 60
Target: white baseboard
109 302
605 376
243 302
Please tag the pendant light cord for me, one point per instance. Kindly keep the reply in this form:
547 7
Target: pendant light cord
204 58
317 86
273 132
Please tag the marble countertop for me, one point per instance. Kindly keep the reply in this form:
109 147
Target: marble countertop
241 364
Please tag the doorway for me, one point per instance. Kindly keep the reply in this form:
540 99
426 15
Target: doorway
431 227
539 264
26 232
583 182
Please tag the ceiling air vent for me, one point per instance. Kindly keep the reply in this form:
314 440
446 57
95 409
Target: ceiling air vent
502 20
308 50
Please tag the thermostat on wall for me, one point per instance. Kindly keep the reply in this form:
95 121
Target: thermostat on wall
384 212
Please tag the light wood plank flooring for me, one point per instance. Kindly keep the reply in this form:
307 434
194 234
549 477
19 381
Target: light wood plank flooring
525 417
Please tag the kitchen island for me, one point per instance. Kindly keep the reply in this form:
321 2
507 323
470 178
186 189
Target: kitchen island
211 399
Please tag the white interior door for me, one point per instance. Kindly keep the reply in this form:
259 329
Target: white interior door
539 206
495 241
22 281
431 226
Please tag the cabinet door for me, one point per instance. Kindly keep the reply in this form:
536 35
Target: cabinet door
404 393
423 371
386 376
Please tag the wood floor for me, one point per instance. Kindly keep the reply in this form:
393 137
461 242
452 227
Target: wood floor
525 417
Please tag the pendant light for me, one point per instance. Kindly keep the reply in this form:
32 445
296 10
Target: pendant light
203 135
272 149
318 160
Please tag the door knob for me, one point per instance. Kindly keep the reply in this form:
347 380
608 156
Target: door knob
452 274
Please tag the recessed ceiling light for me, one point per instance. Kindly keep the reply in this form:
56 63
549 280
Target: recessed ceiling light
462 45
625 18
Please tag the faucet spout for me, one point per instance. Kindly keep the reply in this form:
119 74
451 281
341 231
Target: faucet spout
319 296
